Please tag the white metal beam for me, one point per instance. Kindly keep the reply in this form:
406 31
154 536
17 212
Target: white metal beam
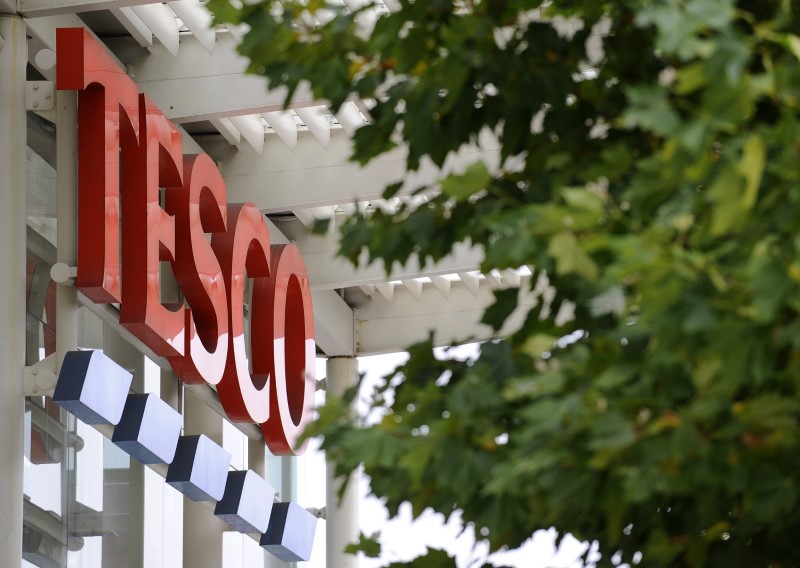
217 82
40 8
327 271
281 179
385 326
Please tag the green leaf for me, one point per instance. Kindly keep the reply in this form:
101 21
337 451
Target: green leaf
433 558
369 546
729 205
505 301
794 44
658 193
581 198
570 257
650 109
539 343
462 186
751 167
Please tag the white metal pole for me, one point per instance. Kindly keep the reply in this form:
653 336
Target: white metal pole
202 531
125 354
13 138
67 229
342 526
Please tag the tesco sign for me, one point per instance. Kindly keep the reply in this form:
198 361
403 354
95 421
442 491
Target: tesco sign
128 152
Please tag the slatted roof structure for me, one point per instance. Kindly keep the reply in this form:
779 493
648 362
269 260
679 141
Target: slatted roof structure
293 164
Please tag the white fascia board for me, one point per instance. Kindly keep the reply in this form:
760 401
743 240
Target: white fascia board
384 326
42 8
196 85
281 179
328 271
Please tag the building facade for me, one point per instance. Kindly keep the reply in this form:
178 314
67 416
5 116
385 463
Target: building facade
69 495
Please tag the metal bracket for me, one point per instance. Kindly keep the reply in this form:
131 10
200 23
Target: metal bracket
41 378
64 274
40 96
319 513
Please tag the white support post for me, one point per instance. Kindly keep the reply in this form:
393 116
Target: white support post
202 531
257 461
126 355
13 137
342 525
67 230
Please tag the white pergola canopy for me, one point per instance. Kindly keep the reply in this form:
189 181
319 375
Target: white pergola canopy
293 164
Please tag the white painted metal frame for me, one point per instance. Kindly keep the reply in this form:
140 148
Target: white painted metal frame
13 136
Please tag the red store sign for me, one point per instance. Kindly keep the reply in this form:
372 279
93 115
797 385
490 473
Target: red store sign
128 151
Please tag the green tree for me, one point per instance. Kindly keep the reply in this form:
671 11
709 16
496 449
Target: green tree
657 183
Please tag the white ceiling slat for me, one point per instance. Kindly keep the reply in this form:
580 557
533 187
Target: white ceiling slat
282 122
162 23
348 208
471 280
495 279
252 130
442 284
228 130
350 117
238 32
305 216
512 276
389 206
135 26
368 289
323 212
315 118
199 21
414 286
367 18
386 289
